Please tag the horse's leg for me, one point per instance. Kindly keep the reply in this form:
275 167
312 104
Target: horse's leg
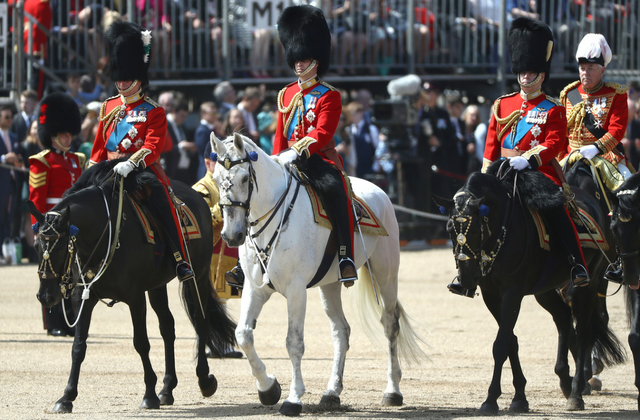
634 334
561 314
597 366
296 295
340 331
78 352
269 390
505 310
385 271
160 304
138 310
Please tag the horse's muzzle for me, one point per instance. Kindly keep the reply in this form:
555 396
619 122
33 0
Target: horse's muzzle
235 240
49 296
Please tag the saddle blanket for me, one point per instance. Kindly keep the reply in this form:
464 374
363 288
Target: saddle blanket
367 219
590 235
190 226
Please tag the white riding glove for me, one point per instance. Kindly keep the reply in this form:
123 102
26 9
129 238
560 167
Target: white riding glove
519 163
288 156
123 168
589 152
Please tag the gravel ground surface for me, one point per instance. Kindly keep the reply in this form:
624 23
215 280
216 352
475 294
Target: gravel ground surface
451 385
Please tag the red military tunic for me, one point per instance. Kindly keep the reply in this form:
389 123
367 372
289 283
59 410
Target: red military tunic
51 173
316 121
608 105
145 140
540 144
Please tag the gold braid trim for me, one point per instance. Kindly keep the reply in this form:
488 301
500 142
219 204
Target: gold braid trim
108 119
565 91
295 101
137 159
535 152
620 89
607 142
302 146
507 121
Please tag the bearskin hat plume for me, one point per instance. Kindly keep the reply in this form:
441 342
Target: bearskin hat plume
304 34
530 44
57 113
594 49
129 51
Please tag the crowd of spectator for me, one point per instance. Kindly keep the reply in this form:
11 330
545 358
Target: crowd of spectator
368 36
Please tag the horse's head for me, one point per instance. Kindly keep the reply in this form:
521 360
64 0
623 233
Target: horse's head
235 177
55 247
625 225
467 227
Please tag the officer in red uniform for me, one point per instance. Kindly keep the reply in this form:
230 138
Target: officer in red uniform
133 126
529 129
308 114
597 112
53 171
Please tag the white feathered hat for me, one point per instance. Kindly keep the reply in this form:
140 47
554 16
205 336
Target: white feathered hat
594 49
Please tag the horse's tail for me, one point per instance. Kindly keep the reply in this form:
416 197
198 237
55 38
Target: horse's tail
628 293
607 346
408 348
218 332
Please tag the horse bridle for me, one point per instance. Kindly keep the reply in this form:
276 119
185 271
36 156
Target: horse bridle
45 269
226 183
626 255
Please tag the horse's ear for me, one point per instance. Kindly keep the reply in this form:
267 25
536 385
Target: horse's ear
445 204
216 145
35 212
238 142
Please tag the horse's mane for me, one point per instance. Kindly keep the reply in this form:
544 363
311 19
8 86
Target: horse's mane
100 175
626 200
536 190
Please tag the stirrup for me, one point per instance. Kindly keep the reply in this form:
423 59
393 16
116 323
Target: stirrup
235 279
579 276
614 273
347 272
184 271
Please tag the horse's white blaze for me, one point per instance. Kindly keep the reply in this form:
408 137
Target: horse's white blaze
293 261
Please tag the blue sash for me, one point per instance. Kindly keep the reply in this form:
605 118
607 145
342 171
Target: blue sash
123 127
310 97
524 127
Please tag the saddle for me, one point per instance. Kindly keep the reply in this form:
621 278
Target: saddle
590 233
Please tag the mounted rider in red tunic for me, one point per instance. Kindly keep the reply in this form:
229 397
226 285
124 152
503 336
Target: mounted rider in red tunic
529 129
134 127
308 114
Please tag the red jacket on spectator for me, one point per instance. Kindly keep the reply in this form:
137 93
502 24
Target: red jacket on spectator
41 10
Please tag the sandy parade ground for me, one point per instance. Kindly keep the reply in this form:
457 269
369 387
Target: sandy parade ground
451 385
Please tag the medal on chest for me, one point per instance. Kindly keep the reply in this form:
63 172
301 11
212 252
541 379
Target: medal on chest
598 108
537 116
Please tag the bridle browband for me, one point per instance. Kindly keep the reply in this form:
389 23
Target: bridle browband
228 164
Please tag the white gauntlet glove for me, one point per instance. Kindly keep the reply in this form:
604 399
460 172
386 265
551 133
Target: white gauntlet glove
123 168
589 152
519 163
288 156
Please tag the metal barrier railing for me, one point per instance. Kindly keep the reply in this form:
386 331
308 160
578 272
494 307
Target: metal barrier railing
376 38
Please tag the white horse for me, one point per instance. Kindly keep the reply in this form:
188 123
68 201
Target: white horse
252 184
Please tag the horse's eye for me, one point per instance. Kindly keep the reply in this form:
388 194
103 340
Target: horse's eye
245 179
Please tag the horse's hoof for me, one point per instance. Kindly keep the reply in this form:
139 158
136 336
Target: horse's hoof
519 406
575 404
150 403
209 386
392 400
330 401
63 407
488 409
272 395
290 409
596 384
166 398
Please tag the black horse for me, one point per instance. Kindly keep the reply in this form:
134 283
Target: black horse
497 248
73 243
625 224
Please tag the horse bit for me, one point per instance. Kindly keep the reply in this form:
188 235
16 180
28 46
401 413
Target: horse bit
45 270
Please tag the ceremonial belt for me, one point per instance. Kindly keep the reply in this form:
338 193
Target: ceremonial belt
510 152
51 200
122 128
589 121
309 100
525 126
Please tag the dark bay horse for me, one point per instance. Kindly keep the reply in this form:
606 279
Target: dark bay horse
497 248
73 244
625 224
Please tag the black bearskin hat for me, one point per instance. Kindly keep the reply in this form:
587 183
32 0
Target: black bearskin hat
304 34
57 113
129 49
530 44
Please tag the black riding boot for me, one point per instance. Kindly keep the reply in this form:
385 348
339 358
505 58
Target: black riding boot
235 277
560 224
160 204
